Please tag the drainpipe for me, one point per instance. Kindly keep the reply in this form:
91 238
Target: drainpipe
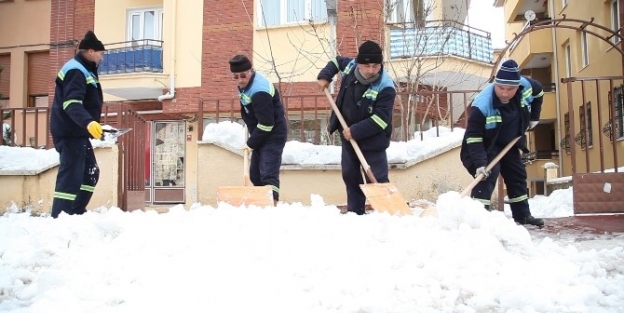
171 93
557 89
332 17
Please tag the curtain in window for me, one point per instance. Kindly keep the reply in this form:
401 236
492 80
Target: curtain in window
269 12
319 11
295 11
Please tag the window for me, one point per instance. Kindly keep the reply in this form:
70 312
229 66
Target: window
399 11
568 60
584 49
618 119
144 25
585 120
565 142
38 101
615 19
284 12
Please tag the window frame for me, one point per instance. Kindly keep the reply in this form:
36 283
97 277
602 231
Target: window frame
585 114
283 15
615 19
618 103
158 25
32 101
568 59
584 50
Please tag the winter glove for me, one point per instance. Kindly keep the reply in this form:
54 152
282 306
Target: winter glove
532 124
481 170
95 129
323 84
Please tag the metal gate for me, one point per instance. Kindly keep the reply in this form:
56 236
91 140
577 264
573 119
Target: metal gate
131 184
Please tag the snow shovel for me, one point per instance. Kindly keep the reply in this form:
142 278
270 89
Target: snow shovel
489 167
431 210
383 197
114 132
246 195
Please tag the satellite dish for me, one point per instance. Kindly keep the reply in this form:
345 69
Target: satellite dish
529 15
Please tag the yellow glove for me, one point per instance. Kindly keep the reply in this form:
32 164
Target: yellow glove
95 129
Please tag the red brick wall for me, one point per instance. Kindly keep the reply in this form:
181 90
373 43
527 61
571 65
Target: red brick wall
69 21
358 21
227 30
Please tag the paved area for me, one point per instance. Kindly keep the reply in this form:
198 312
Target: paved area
584 232
595 224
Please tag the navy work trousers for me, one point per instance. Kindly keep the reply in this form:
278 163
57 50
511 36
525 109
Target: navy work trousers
514 175
265 165
352 175
78 174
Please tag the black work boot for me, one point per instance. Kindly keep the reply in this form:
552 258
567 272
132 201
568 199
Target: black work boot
530 220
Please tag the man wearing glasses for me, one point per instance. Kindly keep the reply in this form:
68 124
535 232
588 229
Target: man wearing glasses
263 113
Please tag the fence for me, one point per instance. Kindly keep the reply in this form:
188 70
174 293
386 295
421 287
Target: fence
308 115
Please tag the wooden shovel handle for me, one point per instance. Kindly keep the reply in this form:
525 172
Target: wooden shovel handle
489 167
360 156
246 161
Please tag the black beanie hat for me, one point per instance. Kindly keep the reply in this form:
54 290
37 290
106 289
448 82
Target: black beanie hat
91 42
369 52
508 74
239 63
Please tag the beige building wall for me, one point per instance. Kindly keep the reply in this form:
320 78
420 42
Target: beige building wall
220 166
36 190
298 52
426 179
182 42
17 38
603 61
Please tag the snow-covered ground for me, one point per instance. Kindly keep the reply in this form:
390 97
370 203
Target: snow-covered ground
296 258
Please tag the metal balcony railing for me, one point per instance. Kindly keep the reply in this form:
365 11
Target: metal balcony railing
440 38
133 57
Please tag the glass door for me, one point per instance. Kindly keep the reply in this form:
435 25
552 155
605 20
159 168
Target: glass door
167 148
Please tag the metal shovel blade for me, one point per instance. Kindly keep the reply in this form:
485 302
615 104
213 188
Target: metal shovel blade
114 133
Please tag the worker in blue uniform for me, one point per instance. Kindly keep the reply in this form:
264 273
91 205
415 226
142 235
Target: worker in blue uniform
75 118
500 113
263 113
366 101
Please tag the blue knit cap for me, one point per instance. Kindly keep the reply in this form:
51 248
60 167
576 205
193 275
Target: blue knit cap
508 74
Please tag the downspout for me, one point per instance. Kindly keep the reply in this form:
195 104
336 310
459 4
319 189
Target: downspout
332 45
557 89
171 93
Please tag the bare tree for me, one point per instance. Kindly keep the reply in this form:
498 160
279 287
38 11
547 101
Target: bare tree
424 53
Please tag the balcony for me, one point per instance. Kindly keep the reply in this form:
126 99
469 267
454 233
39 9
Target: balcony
131 70
133 57
515 9
441 38
533 50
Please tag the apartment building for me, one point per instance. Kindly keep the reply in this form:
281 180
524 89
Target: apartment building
581 126
167 60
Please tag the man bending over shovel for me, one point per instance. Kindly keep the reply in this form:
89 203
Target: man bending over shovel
500 113
366 101
263 113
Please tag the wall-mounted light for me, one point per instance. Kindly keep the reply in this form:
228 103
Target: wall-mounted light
190 127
